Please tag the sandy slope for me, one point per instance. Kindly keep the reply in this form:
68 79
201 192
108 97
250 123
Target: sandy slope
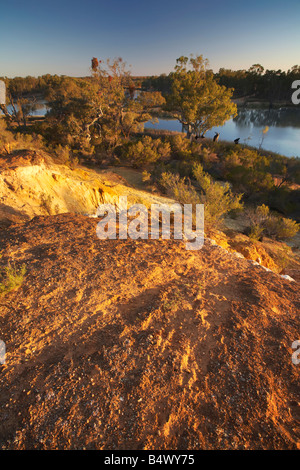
143 345
31 184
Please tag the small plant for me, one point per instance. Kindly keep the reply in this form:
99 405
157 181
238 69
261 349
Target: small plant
172 302
146 176
147 150
281 228
264 133
11 278
65 156
46 203
263 223
179 188
282 257
256 232
217 197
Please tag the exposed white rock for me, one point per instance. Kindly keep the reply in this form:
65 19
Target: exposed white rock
288 278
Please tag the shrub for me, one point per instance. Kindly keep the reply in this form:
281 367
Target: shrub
147 150
65 156
10 141
181 147
256 232
262 222
248 171
217 197
179 188
146 176
46 203
11 278
281 228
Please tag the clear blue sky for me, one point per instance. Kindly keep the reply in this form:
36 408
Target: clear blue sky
61 36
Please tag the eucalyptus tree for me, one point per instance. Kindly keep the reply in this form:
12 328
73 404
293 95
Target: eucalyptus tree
196 99
102 109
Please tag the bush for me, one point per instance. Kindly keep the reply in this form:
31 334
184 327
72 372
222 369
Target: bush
146 176
263 223
181 147
64 156
179 189
217 197
147 150
256 232
248 171
10 141
281 228
11 278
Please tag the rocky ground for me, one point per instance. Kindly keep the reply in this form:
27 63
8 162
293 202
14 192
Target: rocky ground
143 344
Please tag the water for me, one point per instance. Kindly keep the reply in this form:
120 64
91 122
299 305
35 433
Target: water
283 136
40 111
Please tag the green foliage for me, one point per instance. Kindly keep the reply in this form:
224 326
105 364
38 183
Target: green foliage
10 141
179 189
100 110
146 176
218 197
256 232
11 278
282 256
264 223
146 150
281 228
64 155
181 147
196 99
269 85
248 171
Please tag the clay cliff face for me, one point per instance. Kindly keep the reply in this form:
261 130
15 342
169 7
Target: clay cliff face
32 184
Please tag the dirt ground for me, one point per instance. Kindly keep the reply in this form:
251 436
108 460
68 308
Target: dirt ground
143 345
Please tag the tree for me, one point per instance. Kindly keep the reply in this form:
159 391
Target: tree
256 69
101 109
196 99
21 100
119 112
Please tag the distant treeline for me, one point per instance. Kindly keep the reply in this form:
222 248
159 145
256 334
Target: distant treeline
20 86
257 83
266 85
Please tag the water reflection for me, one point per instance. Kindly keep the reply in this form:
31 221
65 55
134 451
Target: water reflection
282 117
283 135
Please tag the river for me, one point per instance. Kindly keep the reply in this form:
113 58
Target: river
283 135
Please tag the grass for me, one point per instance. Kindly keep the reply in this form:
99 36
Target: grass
11 278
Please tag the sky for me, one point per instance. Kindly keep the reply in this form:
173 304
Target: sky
61 36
